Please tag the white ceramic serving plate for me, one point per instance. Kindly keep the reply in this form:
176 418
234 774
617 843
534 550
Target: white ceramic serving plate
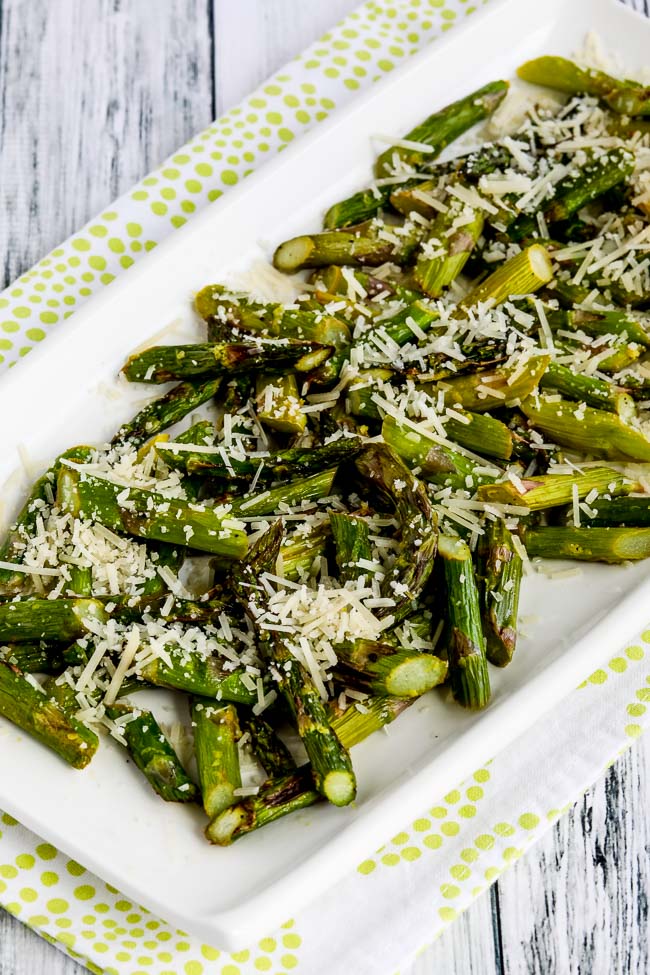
106 817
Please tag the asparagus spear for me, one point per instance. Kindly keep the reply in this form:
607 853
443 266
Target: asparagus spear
551 490
163 363
436 132
632 326
167 410
501 572
34 658
41 494
438 463
153 754
392 479
443 127
508 386
623 97
481 433
577 190
398 330
445 252
330 763
295 462
384 670
269 748
366 245
32 711
630 512
146 514
353 726
523 274
216 733
62 620
587 389
276 798
297 557
199 675
590 431
279 406
273 499
470 681
613 545
352 542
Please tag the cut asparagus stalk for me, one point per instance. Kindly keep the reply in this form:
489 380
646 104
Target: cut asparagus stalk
443 127
551 490
416 197
352 542
134 511
523 274
270 750
481 433
199 675
216 733
485 390
169 409
501 572
330 763
24 527
272 500
279 406
468 672
33 712
153 754
163 363
62 620
588 389
633 512
628 325
452 248
436 132
34 658
398 330
612 545
331 767
297 557
393 480
590 432
623 97
81 580
438 463
295 462
575 191
357 208
366 245
383 670
277 798
353 726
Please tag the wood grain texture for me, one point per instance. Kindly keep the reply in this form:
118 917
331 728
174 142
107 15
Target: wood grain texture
579 903
93 93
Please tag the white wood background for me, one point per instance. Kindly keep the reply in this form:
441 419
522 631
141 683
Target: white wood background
93 94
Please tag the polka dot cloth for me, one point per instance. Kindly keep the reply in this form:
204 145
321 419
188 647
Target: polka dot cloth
462 841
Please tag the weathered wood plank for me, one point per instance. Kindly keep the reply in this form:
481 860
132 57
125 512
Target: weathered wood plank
93 93
578 903
468 947
253 38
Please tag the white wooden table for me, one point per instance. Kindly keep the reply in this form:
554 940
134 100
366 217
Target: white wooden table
93 94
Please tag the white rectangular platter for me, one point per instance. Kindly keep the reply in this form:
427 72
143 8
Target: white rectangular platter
155 852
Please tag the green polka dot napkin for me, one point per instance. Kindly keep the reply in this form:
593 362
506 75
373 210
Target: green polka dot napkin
439 862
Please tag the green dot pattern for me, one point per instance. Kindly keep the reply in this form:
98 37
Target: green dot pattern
463 840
